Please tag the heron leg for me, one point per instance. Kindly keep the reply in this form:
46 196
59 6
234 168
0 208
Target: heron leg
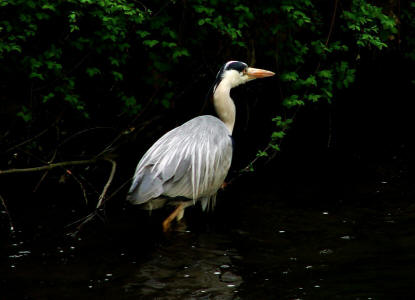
180 214
177 213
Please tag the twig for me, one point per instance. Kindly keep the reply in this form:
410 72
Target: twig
82 222
81 185
46 172
28 140
37 135
40 181
160 10
3 202
50 166
143 125
110 178
81 132
119 188
253 161
95 213
333 18
85 181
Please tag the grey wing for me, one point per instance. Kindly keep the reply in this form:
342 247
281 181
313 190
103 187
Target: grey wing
191 161
150 175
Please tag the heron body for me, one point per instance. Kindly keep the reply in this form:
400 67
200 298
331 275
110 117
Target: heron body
189 161
192 160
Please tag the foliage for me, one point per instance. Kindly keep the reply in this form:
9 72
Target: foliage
332 66
92 60
61 47
370 25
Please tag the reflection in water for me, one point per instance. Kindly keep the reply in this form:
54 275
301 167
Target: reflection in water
190 267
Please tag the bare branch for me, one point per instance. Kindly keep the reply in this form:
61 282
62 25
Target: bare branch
40 181
333 18
47 171
96 212
50 166
110 178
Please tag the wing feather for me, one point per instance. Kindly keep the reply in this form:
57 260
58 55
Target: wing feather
191 161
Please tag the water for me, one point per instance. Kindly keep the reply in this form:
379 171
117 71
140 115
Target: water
178 265
348 254
263 245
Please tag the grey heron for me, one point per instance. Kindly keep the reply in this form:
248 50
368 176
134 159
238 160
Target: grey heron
192 160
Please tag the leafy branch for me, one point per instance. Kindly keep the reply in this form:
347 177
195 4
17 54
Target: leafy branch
332 72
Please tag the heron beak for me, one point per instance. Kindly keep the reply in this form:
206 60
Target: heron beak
254 73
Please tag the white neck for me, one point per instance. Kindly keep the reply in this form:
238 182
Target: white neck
224 106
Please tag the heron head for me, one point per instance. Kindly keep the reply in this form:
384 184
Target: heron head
236 73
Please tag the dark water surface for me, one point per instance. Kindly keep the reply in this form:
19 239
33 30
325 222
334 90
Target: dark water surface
256 245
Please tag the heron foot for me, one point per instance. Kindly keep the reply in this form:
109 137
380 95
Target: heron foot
176 214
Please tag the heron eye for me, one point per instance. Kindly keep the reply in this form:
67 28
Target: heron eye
244 71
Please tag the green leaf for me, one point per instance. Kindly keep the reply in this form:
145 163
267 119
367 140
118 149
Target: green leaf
165 103
73 28
325 74
72 99
117 76
250 168
261 153
311 80
290 76
53 65
16 48
150 43
282 123
277 135
25 114
48 97
246 11
143 33
287 8
168 44
92 71
114 61
292 101
49 6
36 75
328 94
180 52
313 97
275 147
277 119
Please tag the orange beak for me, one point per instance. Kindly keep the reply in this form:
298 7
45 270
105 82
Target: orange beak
254 73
